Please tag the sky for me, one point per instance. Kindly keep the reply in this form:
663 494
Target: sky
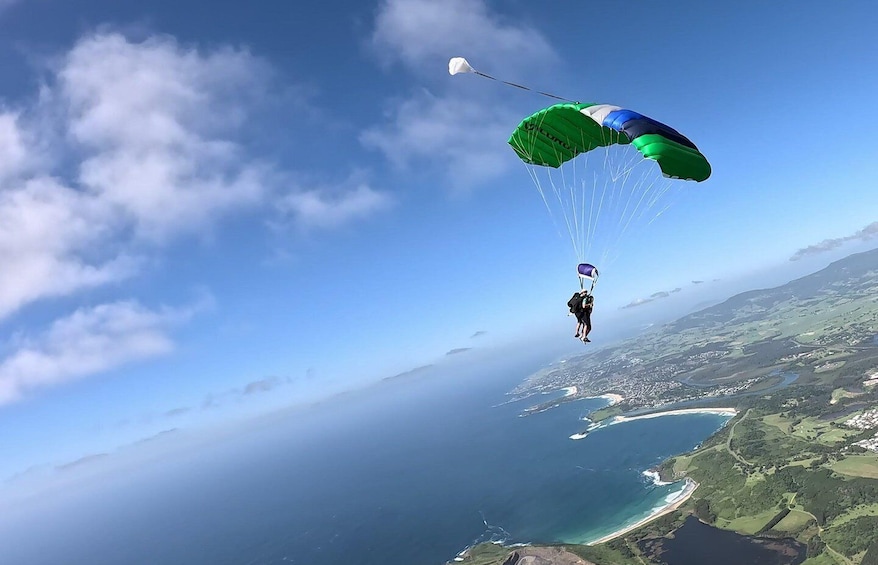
210 210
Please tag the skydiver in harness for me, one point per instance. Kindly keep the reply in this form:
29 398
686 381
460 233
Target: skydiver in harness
582 303
585 318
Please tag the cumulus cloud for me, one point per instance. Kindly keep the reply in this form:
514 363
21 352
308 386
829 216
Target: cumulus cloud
466 138
152 119
865 234
132 129
48 239
128 146
428 32
655 296
88 341
329 207
263 385
448 127
13 149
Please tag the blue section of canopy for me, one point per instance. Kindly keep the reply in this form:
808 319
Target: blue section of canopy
634 125
637 127
617 118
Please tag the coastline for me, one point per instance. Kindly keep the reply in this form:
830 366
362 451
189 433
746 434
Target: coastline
666 509
612 397
717 411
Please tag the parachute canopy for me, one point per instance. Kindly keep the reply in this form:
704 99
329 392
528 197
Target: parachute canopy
560 132
459 65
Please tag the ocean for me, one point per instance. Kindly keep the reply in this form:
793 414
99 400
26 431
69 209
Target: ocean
409 472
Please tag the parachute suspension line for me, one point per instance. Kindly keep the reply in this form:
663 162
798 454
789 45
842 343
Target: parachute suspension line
577 210
531 170
597 181
591 219
601 203
631 194
638 184
565 212
522 87
631 185
460 65
617 194
535 177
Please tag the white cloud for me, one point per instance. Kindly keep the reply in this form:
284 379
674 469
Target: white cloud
465 133
128 147
464 137
148 127
46 230
13 151
146 134
86 342
429 32
329 208
151 118
865 234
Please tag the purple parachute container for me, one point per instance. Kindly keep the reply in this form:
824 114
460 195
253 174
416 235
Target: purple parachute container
587 271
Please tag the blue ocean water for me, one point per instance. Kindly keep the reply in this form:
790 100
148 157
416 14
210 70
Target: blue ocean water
406 473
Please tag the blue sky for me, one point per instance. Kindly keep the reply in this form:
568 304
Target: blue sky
211 209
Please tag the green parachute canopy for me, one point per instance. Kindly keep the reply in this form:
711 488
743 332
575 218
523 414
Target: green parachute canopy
563 131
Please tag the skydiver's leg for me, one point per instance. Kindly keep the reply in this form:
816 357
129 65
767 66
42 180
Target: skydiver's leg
587 328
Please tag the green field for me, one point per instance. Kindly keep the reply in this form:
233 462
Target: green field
853 513
824 558
840 393
749 524
810 429
793 522
858 466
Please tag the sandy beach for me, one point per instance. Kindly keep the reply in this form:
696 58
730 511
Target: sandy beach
718 411
670 507
570 390
612 397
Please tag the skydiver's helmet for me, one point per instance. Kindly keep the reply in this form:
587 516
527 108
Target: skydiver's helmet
584 292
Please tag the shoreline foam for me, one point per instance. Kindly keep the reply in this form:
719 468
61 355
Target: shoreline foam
656 478
678 501
716 411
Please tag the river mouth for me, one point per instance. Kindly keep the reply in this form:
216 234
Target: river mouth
696 543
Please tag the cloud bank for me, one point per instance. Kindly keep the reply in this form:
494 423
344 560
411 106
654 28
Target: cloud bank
88 341
653 297
128 148
867 233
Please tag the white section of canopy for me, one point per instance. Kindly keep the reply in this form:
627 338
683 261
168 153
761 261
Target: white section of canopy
599 112
459 65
